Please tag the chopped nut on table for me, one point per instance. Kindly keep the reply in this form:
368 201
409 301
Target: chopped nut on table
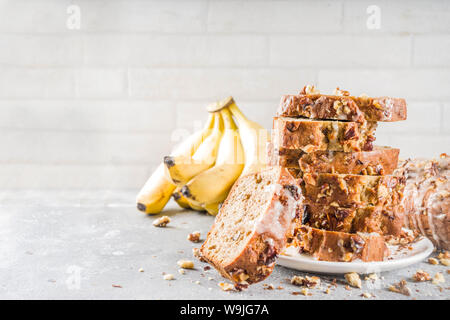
372 276
353 279
445 261
186 264
421 276
309 282
438 278
226 286
194 236
268 286
168 277
181 271
400 287
433 261
161 221
305 291
366 295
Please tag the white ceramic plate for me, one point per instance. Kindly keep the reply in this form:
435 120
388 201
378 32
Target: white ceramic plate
400 259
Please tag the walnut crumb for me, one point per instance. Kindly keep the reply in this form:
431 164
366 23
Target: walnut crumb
309 282
194 236
327 291
181 271
161 222
353 279
433 261
141 270
372 276
186 264
400 287
168 277
226 286
268 286
366 295
421 276
445 261
438 278
305 292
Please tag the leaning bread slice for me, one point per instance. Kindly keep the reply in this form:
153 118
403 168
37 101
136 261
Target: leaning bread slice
340 246
351 190
310 136
250 229
359 109
379 161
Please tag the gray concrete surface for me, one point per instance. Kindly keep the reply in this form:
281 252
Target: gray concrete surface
80 244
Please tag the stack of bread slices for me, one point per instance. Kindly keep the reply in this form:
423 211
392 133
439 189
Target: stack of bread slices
352 199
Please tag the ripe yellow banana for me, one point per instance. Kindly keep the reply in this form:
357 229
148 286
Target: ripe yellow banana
254 139
182 168
156 192
213 185
180 200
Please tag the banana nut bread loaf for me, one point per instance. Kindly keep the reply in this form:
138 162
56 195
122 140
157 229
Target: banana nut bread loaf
349 190
340 246
311 104
310 135
385 220
252 225
379 161
427 198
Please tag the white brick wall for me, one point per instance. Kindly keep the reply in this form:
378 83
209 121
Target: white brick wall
99 107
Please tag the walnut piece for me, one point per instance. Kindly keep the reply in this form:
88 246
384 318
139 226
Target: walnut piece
433 261
421 276
186 264
353 279
339 92
445 261
401 288
161 222
226 286
169 277
372 276
309 282
194 236
438 278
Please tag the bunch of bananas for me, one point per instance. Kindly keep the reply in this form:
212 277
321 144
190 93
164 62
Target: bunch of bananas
200 172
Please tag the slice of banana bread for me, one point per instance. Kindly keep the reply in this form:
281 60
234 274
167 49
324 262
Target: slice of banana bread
379 161
359 109
383 220
251 227
340 246
310 136
350 190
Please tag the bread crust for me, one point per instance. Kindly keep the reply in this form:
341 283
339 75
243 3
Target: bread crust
349 108
256 261
379 219
340 246
427 198
379 161
310 136
349 190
